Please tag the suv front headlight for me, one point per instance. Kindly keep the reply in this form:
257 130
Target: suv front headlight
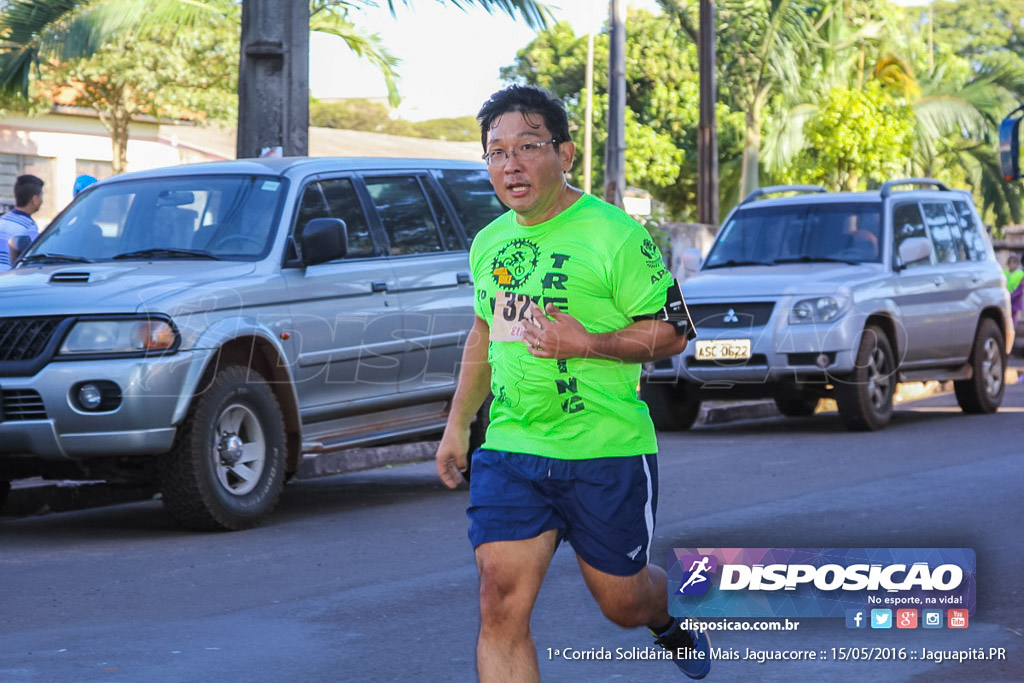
131 336
820 309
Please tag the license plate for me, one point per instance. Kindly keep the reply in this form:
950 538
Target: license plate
723 349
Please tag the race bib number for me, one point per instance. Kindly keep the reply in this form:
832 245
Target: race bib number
511 314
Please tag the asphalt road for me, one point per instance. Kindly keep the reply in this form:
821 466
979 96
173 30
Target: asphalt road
369 577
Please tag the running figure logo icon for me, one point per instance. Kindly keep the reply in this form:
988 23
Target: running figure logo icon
697 566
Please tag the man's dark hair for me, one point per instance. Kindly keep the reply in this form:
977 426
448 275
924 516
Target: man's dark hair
526 99
25 188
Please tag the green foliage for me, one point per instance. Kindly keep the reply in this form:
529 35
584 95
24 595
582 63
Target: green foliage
374 117
857 138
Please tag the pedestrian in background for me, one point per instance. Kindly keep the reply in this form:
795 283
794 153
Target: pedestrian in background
28 198
1015 283
570 448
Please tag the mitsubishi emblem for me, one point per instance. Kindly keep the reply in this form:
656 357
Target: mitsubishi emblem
731 317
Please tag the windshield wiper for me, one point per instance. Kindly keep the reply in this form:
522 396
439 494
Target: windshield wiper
54 258
817 259
734 262
167 253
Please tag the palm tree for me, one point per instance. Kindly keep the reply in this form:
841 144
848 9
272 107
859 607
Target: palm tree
761 45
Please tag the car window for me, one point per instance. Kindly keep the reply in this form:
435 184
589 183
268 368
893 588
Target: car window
974 239
230 217
451 239
473 197
799 232
937 220
405 214
907 222
343 202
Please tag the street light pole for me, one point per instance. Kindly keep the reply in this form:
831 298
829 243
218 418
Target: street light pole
588 116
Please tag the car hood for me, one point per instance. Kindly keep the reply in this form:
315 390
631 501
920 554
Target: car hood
791 279
114 287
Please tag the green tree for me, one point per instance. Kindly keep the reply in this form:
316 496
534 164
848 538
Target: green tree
661 102
856 138
761 45
163 73
975 28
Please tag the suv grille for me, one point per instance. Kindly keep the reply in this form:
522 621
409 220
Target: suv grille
24 339
738 315
22 404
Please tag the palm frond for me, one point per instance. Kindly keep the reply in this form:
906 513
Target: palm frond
534 14
366 45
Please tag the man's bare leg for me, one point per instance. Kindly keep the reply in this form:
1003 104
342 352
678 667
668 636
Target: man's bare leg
511 574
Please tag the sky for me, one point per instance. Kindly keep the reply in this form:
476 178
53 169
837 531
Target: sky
450 58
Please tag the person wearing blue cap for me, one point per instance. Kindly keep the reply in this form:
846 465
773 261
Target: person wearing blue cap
82 182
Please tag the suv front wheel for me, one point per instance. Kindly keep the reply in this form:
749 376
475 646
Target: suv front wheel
673 408
864 397
226 470
983 392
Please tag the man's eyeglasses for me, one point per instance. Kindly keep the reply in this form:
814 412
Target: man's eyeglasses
527 150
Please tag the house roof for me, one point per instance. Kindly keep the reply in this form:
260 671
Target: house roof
325 142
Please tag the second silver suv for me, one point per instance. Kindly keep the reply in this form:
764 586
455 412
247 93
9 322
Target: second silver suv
841 295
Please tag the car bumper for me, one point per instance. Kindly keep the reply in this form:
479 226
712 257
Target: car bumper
41 418
779 353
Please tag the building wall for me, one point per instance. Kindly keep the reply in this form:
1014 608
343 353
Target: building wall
60 147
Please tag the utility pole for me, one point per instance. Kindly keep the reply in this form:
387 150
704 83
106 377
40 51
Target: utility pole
615 147
273 79
588 117
707 129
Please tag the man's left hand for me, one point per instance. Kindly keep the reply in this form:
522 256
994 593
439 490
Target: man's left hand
555 335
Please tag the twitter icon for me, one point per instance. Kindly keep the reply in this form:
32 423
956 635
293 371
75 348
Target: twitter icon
881 618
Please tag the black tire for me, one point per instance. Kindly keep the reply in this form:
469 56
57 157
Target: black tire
206 480
5 489
983 393
478 433
673 408
799 406
864 398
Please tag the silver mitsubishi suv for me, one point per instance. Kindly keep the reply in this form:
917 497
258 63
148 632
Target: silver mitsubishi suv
205 327
841 295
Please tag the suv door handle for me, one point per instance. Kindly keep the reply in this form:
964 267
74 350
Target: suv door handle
462 278
379 286
939 280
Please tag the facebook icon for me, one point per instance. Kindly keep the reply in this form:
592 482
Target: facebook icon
855 619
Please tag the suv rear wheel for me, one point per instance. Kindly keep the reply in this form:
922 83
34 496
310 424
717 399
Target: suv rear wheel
983 393
478 433
672 407
864 398
226 470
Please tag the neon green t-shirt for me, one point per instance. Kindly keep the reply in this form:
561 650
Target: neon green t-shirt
1013 279
600 266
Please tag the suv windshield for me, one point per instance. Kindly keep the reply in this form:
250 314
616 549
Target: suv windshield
797 233
205 217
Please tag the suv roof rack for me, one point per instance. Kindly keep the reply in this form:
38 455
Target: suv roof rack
887 187
777 189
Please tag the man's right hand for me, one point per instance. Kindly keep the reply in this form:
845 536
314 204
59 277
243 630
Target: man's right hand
452 456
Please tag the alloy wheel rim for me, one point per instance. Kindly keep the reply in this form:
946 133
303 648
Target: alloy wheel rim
879 381
240 449
991 367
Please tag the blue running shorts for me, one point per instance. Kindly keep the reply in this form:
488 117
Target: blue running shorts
604 506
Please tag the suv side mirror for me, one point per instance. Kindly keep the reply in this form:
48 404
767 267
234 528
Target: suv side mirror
17 245
1009 145
691 261
323 240
914 249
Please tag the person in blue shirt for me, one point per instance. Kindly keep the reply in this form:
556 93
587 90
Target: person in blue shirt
28 198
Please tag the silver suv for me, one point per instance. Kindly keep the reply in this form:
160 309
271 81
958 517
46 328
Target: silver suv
841 295
204 327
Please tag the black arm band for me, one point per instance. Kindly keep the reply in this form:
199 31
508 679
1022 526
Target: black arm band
674 312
